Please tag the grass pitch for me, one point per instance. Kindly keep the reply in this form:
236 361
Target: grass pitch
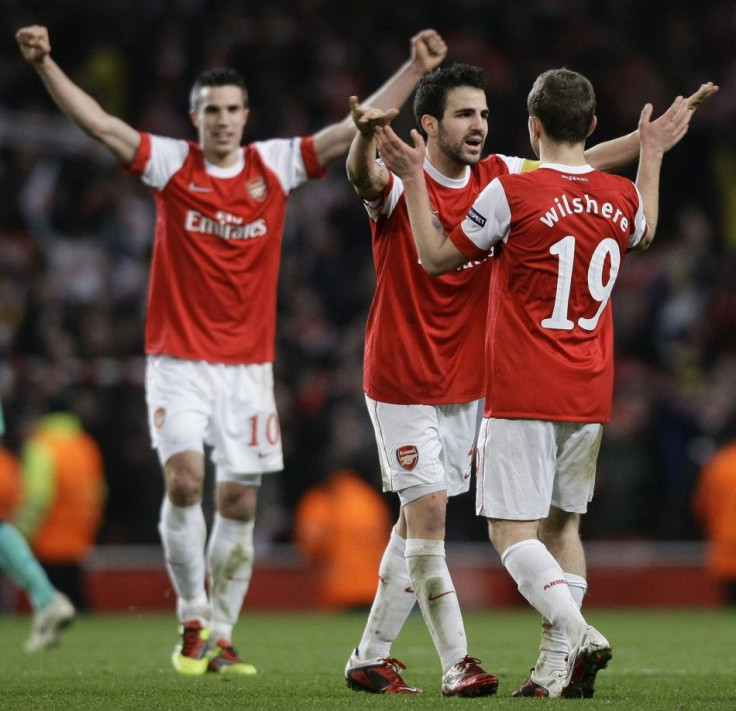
663 660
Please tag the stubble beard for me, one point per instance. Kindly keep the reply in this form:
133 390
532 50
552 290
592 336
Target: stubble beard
456 151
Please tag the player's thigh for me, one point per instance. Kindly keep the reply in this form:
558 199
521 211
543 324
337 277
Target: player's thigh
409 445
458 432
578 445
178 397
516 469
246 432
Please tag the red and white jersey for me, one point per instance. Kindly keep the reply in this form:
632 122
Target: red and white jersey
424 337
217 250
549 343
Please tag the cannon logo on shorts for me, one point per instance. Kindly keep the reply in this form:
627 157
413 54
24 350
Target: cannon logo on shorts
407 456
159 416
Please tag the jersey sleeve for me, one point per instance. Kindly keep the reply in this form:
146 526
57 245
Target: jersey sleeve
640 223
385 203
519 165
157 159
293 160
487 222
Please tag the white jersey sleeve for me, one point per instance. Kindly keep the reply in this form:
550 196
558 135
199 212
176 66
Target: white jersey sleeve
489 220
167 156
640 223
514 164
284 157
385 204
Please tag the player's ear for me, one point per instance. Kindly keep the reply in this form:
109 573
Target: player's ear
193 118
429 124
593 124
535 127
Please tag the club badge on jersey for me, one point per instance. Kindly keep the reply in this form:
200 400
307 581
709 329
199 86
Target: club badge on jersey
257 189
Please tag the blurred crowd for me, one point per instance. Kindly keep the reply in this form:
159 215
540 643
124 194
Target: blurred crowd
75 232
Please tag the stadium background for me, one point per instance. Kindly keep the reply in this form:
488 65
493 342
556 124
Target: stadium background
75 233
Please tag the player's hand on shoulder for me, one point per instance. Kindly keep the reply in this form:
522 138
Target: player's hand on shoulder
34 43
428 49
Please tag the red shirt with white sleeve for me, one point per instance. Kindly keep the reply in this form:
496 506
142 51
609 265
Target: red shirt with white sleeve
564 233
217 249
424 336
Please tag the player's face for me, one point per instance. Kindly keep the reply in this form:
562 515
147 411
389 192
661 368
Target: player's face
464 126
220 119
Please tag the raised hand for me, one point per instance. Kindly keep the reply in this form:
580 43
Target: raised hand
366 118
428 49
667 130
705 91
34 43
399 157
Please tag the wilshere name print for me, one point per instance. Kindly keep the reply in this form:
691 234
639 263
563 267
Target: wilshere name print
563 207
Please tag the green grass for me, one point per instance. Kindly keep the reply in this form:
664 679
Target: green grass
674 660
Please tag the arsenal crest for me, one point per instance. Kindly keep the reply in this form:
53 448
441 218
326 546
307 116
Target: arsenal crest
407 456
257 189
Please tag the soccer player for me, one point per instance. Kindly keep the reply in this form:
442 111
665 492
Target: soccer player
52 610
212 317
424 389
563 232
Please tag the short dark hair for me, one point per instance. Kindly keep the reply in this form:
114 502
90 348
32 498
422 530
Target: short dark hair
432 89
217 77
564 101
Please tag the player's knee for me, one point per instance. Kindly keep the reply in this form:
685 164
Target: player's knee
237 502
184 491
426 516
558 526
184 481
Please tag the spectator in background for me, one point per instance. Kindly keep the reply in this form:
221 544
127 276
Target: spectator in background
714 506
10 484
63 499
343 525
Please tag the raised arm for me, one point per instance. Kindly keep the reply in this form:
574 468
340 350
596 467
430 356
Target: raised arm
620 152
428 50
121 139
437 253
653 139
368 177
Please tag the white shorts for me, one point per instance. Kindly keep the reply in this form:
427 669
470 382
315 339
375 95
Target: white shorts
425 448
230 407
524 466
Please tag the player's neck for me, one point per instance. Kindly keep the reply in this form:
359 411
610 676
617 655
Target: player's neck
222 160
562 153
449 167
